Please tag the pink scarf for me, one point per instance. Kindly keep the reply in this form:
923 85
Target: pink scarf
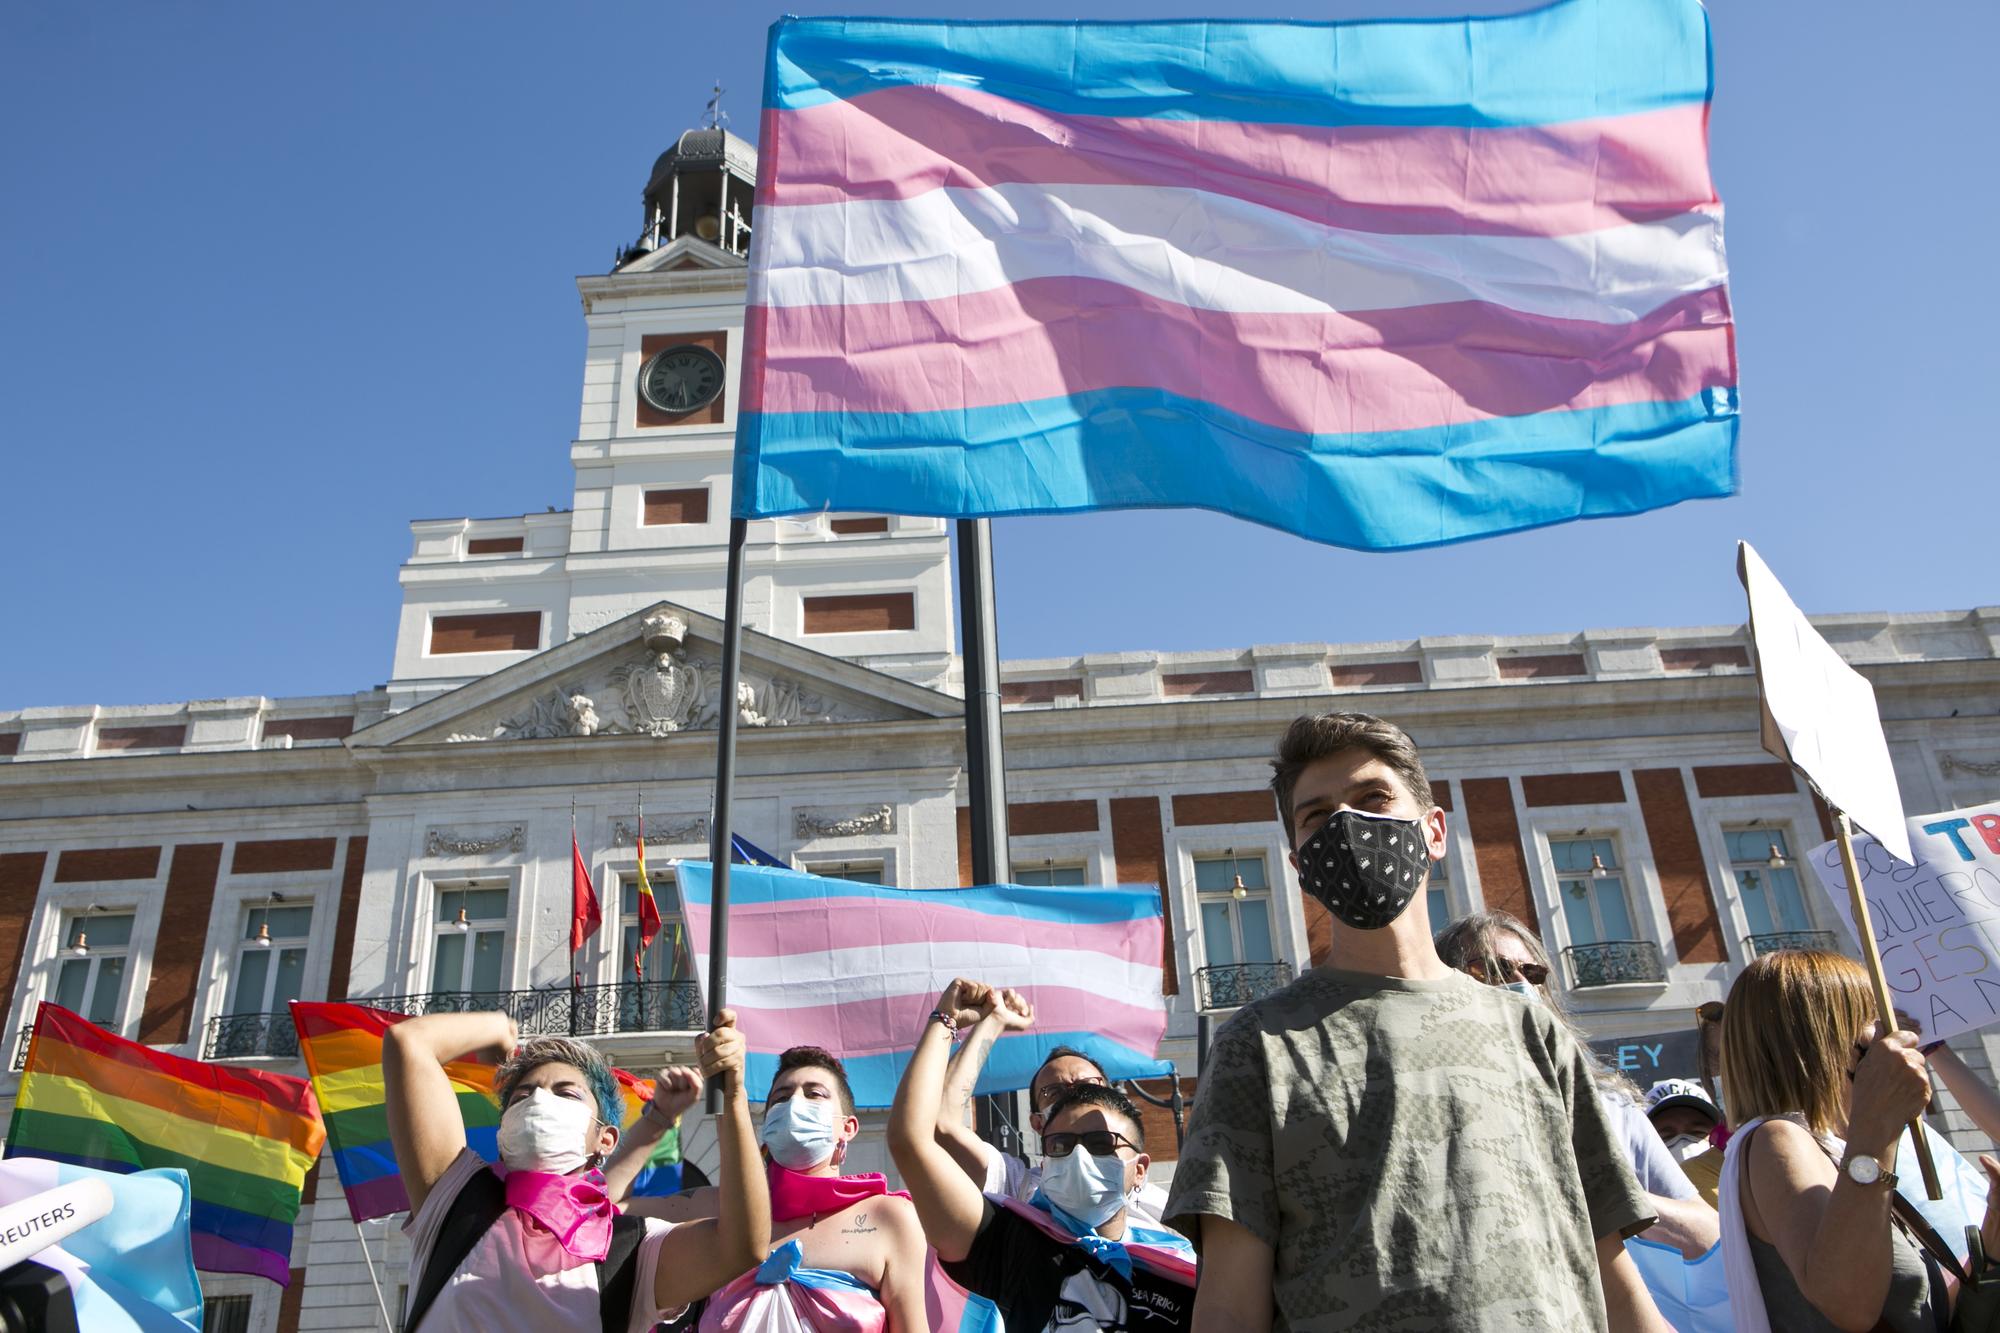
796 1195
574 1208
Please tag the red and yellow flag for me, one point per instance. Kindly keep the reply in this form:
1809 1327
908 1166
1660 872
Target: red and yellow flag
649 909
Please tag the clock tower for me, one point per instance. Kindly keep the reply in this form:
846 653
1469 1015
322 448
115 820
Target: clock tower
653 451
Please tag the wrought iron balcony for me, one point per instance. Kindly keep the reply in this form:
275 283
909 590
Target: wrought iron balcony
21 1050
1772 941
1614 963
240 1036
558 1011
1229 985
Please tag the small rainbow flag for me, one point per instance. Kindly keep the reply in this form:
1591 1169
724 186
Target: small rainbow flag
342 1045
94 1099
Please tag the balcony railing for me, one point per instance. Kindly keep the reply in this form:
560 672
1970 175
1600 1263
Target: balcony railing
240 1036
588 1011
1614 963
1229 985
1772 941
21 1049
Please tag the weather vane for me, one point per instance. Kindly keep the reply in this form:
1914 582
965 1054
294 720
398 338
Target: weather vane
717 117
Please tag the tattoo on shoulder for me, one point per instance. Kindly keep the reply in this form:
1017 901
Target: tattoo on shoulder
859 1225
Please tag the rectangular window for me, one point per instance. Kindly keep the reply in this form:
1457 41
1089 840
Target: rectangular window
670 958
494 545
1766 880
90 980
142 738
1049 874
271 961
870 613
225 1314
1234 898
860 872
470 940
1591 889
1437 895
498 632
669 508
852 527
1193 683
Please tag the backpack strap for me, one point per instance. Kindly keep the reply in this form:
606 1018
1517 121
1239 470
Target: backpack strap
617 1271
471 1215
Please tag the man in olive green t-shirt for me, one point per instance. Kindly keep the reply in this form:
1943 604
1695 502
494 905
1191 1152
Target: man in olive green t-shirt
1386 1144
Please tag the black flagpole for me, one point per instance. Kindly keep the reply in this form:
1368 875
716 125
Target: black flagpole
985 760
725 788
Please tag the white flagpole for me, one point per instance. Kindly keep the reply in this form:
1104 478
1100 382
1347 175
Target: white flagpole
388 1324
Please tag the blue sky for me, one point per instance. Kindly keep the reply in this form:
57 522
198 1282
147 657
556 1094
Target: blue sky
275 279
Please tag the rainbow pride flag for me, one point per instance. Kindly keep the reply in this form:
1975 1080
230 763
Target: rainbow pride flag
342 1045
1378 283
245 1138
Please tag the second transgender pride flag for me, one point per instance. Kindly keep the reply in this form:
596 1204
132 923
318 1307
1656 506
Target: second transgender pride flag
1381 284
854 968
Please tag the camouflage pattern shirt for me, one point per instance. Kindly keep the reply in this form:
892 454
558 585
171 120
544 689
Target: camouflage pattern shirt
1418 1155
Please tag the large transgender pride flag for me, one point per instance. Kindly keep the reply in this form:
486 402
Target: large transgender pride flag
855 968
1382 284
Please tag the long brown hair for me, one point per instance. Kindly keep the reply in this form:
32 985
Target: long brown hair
1788 1032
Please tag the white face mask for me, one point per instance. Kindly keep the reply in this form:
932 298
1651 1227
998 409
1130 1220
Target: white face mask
1089 1188
544 1132
1686 1147
799 1133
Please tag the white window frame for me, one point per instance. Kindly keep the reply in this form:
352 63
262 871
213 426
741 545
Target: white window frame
1206 897
71 920
1623 825
241 940
828 865
439 926
629 876
1795 814
1028 865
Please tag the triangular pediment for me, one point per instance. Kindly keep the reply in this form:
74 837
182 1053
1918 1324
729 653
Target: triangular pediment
656 672
685 252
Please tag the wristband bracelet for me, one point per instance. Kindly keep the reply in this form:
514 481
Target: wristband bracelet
950 1024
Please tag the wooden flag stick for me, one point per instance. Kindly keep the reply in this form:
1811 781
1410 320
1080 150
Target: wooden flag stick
1864 929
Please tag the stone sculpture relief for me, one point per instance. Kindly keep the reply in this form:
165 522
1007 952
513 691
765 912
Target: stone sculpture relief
475 842
815 822
665 690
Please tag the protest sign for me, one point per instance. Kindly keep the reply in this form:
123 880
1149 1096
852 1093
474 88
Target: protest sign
1656 1055
1819 713
1937 922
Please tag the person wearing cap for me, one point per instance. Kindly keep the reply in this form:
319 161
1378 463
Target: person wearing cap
1684 1117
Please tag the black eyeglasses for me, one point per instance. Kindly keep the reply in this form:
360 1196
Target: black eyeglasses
1096 1142
1532 973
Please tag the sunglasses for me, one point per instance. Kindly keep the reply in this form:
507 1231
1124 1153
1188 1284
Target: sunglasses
1532 973
1051 1090
1096 1142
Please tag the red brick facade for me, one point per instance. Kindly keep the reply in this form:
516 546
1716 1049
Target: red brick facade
1139 847
1496 845
1573 789
177 955
1684 882
1721 781
283 854
1225 807
99 863
20 886
348 912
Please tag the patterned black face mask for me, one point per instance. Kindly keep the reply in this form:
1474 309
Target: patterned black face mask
1365 868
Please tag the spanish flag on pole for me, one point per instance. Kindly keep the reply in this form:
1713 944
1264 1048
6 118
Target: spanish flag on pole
649 910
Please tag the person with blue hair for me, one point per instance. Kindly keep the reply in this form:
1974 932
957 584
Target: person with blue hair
534 1241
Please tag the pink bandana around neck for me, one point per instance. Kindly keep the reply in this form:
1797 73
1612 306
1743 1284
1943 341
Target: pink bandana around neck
574 1208
794 1194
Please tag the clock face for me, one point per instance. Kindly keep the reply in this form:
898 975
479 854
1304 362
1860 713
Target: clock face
681 379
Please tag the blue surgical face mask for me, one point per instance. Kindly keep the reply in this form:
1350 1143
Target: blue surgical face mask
1089 1188
799 1133
1525 989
